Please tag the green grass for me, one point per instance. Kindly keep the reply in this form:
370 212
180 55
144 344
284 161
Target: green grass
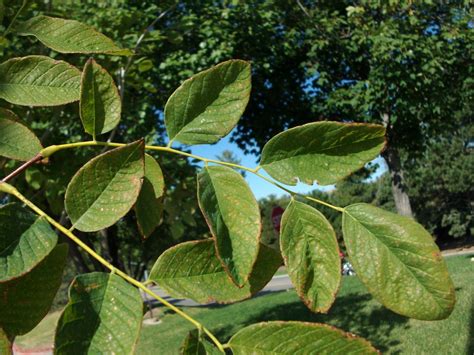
354 311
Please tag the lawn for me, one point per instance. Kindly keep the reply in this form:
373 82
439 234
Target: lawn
354 311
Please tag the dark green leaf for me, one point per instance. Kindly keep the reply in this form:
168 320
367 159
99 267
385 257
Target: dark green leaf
25 240
103 316
297 337
233 216
311 253
16 140
106 188
39 81
149 206
68 36
194 345
207 106
322 151
26 300
398 261
192 270
100 104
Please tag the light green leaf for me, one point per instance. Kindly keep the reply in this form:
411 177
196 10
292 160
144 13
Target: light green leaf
68 36
5 344
194 345
106 188
149 206
192 270
103 316
26 300
39 81
233 216
398 261
16 140
207 106
100 104
321 151
311 253
297 338
25 240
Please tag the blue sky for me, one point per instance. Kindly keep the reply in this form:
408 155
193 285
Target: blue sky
260 187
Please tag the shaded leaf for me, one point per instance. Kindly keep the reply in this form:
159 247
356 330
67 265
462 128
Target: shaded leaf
149 206
106 188
68 36
297 337
311 253
103 316
233 216
26 300
100 104
194 345
321 151
398 261
192 270
207 106
17 141
39 81
25 240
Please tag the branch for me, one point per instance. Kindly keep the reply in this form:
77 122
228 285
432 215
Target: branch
23 167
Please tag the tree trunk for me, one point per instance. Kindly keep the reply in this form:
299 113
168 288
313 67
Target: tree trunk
399 189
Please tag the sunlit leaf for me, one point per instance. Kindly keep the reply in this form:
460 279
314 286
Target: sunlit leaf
207 106
16 140
192 270
297 338
68 36
106 188
311 253
322 151
103 316
233 216
398 261
39 81
100 104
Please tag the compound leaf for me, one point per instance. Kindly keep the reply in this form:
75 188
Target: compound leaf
321 151
68 36
26 300
17 141
233 216
103 316
100 104
297 337
39 81
105 188
195 345
311 253
192 270
398 261
25 240
149 206
207 106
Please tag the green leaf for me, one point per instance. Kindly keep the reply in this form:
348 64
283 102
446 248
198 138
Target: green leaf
149 206
398 261
25 240
194 345
5 344
297 337
100 104
39 81
207 106
68 36
192 270
106 188
103 316
321 151
17 141
233 216
311 253
26 300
